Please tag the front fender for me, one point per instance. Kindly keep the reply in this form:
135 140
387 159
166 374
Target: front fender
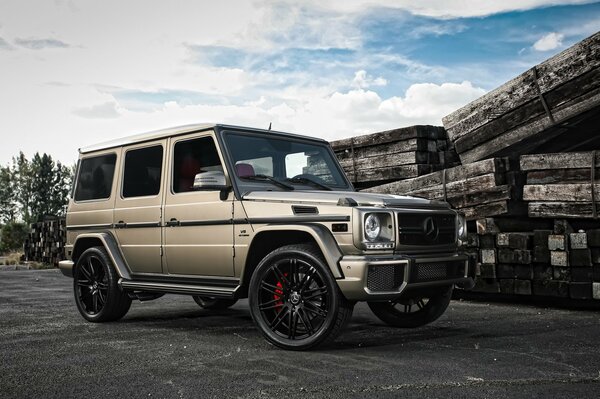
322 236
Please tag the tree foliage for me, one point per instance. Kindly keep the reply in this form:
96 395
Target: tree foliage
33 189
12 236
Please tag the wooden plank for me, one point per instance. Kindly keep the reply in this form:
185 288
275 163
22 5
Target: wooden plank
560 192
471 185
572 62
561 176
486 210
529 111
563 160
397 159
569 210
509 142
389 148
473 199
388 136
497 165
389 173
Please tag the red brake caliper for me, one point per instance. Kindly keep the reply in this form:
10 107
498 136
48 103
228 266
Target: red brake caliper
278 297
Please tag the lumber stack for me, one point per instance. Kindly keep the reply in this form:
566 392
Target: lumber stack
46 241
480 189
552 262
392 155
533 109
562 185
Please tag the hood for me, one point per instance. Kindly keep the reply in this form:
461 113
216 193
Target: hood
344 198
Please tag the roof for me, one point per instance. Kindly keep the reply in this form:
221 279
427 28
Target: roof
178 130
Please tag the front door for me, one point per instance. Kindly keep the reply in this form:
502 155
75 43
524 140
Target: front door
198 237
137 214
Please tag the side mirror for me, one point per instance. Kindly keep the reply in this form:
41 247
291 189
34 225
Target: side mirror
213 180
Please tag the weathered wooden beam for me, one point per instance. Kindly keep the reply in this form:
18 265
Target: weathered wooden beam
560 192
388 136
569 210
565 160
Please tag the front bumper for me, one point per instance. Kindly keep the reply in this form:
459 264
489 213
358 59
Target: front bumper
372 278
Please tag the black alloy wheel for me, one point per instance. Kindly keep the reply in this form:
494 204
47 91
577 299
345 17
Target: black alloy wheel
294 299
95 283
413 312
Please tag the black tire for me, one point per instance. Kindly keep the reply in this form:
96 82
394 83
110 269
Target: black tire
97 293
211 303
295 301
399 313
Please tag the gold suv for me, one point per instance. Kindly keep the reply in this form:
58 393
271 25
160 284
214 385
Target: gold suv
224 212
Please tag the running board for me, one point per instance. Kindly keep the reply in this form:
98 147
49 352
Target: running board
175 288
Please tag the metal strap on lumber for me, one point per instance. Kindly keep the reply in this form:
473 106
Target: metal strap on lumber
354 177
541 96
444 184
593 178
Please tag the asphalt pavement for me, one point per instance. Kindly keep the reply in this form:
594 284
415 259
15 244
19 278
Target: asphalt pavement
171 348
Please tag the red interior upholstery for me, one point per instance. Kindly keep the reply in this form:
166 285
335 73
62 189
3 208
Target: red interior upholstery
188 170
244 170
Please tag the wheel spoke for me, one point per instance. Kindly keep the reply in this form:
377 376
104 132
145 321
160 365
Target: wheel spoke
280 276
293 271
85 273
95 303
315 295
310 307
308 277
305 321
293 324
101 297
279 318
271 288
407 308
83 283
421 303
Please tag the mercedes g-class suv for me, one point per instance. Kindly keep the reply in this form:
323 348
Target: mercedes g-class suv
223 212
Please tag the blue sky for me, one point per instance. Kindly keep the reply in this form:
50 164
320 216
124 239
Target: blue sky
78 72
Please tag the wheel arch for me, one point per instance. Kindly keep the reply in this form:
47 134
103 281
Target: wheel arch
106 240
271 237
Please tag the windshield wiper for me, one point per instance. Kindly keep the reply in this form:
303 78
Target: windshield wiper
309 181
271 179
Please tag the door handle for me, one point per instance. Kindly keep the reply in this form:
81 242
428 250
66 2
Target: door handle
120 225
172 223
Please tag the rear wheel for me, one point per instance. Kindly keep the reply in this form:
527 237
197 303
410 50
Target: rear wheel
295 301
412 312
95 283
213 303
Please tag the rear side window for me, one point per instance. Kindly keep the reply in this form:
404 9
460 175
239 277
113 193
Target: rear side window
95 178
143 169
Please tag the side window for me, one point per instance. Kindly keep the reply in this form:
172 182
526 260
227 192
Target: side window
192 157
95 178
143 169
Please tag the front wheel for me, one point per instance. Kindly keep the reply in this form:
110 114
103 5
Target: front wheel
295 301
412 312
95 283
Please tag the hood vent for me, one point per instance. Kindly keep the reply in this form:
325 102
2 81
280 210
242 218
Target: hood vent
305 210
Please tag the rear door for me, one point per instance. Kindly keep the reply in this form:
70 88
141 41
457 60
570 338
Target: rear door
138 206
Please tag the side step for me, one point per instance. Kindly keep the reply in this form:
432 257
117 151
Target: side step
176 288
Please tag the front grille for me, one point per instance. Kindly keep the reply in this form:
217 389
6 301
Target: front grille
426 229
435 271
385 277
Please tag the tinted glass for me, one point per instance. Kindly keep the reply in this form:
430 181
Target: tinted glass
143 169
192 157
95 178
283 158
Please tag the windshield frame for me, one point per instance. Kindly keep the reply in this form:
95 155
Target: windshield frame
242 186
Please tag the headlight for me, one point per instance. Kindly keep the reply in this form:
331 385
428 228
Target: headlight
372 227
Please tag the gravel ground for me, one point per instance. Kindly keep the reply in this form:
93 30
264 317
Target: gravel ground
171 348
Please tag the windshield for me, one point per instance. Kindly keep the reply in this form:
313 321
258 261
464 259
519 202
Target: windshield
278 162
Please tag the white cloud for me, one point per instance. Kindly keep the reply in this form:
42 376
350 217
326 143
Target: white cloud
446 8
98 111
362 80
551 41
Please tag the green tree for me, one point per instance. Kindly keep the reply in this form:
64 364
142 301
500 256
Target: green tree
8 203
12 236
23 177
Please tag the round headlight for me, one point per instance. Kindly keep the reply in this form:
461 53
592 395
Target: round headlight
372 227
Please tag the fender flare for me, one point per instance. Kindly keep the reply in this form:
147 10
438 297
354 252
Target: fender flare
322 236
110 244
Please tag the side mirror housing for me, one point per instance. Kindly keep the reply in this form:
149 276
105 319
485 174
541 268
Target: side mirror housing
212 180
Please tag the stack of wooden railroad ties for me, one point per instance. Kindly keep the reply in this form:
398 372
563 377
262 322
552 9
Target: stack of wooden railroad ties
528 179
46 241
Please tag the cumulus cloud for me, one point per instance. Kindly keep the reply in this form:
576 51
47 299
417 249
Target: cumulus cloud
362 80
4 45
39 44
551 41
107 110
